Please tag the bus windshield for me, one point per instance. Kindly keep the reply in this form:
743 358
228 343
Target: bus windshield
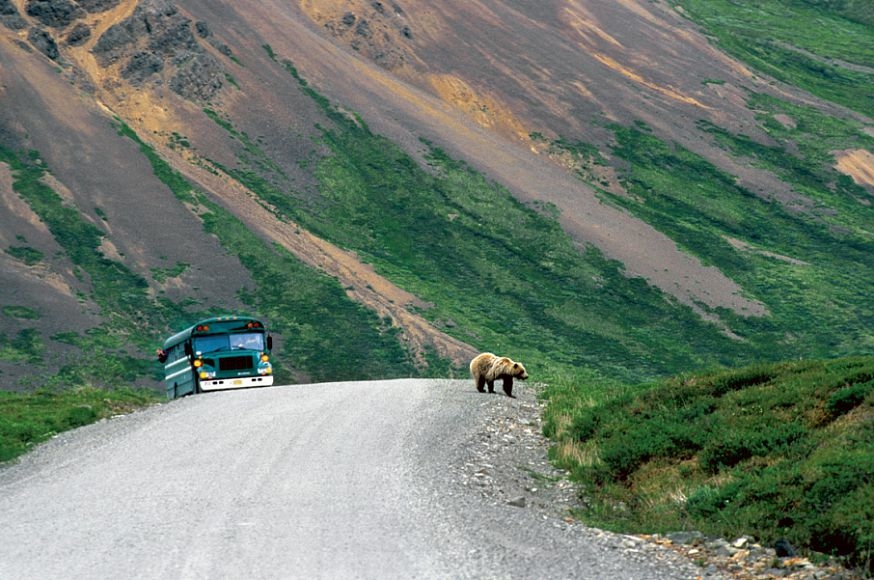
216 342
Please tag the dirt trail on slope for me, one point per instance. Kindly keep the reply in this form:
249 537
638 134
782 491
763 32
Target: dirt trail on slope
361 282
858 164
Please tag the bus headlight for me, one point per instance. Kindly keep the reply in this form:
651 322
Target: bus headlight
205 374
264 367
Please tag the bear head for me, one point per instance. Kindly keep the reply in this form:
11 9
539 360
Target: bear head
518 371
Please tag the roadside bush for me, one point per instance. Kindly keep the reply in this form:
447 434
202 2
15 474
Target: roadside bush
729 449
731 453
27 419
845 400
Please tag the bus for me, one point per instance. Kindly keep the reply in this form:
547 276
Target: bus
225 352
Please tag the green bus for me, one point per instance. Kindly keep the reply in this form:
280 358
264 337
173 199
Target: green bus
225 352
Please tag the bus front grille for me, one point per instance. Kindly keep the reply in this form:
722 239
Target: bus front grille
236 363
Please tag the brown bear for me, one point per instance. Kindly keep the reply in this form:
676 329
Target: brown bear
486 368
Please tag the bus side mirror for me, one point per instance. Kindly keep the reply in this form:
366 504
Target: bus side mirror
269 342
188 352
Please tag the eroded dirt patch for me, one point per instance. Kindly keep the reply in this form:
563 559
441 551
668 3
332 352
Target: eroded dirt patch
858 164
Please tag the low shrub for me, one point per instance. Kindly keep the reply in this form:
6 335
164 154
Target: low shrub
730 453
27 419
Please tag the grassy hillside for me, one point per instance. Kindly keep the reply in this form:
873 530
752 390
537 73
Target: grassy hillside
504 276
27 419
115 349
825 47
509 279
773 451
500 275
812 268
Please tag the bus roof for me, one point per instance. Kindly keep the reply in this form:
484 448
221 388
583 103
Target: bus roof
216 325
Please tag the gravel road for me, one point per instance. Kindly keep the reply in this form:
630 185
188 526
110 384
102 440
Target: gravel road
384 479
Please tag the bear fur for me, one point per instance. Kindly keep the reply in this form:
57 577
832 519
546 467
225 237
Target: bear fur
486 368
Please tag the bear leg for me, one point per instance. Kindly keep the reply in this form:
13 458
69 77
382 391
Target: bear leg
491 385
508 386
481 384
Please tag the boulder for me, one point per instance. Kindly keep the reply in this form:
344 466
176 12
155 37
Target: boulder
43 42
54 13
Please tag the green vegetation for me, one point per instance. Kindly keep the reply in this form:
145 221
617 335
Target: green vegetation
30 418
25 347
162 274
269 50
26 254
504 274
327 335
781 450
801 264
824 47
21 312
804 159
114 349
177 141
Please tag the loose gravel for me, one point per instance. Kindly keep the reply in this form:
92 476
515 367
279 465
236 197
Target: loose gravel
507 463
449 482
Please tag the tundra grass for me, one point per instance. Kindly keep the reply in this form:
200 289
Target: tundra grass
826 48
325 335
26 346
113 351
495 273
812 269
780 450
503 276
26 254
114 287
804 156
27 419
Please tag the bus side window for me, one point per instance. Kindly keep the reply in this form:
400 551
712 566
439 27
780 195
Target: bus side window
169 355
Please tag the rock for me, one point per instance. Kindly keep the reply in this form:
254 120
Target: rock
202 28
720 547
7 8
157 38
155 24
79 34
111 44
363 29
98 5
686 538
54 13
517 502
224 49
784 549
43 42
9 16
199 78
142 65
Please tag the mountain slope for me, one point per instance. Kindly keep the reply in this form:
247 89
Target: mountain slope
165 125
